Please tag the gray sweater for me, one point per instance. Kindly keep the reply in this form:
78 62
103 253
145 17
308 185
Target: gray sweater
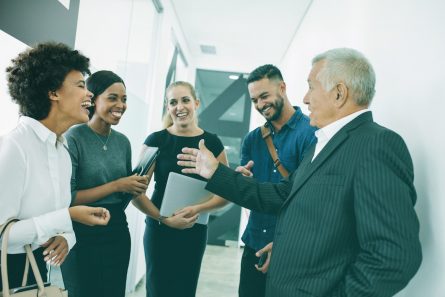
92 165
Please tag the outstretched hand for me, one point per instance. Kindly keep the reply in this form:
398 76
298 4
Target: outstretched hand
246 170
198 161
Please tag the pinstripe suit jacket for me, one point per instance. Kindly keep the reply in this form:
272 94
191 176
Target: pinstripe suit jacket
346 221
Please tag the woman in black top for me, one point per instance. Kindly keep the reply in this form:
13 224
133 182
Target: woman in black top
173 256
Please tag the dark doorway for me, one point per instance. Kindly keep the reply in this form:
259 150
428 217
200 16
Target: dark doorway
225 110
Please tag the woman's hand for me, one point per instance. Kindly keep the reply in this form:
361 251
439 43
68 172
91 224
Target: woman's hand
56 250
189 211
88 215
181 221
134 184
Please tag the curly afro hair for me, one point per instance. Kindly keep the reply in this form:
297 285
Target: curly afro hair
40 70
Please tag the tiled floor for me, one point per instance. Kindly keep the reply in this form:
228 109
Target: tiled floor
219 273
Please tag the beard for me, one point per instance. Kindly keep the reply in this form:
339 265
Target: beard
277 105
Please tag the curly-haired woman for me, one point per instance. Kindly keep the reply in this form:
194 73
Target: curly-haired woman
47 83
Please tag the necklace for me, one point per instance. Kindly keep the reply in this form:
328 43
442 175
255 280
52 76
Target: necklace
104 147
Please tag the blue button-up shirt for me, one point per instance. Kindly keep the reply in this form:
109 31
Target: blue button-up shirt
291 143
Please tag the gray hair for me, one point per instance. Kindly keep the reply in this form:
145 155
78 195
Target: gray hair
350 67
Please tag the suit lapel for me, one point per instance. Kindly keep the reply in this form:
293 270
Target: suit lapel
307 168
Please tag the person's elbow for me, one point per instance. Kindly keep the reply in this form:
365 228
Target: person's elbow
413 261
409 262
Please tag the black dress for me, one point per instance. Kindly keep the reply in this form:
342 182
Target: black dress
173 257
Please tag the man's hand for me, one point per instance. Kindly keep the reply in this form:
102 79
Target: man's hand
200 161
267 249
90 216
246 170
56 250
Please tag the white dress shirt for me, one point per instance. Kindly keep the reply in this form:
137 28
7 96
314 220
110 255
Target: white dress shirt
326 133
35 173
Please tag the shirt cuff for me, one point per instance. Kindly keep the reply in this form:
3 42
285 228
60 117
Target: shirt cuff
70 238
51 224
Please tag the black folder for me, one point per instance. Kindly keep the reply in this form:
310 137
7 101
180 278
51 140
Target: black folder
147 158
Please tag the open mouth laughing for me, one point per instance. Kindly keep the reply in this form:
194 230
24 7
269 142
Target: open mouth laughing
181 115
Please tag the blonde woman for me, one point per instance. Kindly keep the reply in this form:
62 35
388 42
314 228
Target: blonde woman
174 256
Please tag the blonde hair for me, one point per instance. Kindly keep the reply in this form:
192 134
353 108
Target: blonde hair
167 120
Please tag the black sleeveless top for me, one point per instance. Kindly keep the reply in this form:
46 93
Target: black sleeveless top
170 146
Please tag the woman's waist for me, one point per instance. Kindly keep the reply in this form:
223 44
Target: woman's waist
118 221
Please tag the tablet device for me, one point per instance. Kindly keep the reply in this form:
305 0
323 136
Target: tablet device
182 191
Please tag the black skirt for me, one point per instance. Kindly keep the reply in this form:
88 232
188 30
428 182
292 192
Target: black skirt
98 263
173 258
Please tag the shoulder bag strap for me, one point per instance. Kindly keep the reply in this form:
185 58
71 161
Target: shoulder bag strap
3 226
4 269
25 273
265 132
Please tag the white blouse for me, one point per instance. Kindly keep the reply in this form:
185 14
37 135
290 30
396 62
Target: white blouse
35 174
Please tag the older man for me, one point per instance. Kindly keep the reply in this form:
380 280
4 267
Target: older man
346 220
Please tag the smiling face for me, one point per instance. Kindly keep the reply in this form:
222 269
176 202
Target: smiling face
321 103
181 105
267 96
111 104
72 99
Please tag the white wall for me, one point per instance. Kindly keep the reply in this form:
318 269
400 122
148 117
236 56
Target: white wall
405 41
10 47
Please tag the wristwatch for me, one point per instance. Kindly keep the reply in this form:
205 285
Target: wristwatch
161 219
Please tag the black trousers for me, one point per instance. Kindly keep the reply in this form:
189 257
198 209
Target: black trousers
252 282
97 265
16 267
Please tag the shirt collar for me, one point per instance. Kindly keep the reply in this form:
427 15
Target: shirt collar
326 133
41 131
293 121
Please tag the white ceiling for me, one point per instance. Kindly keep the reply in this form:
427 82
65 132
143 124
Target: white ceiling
246 33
